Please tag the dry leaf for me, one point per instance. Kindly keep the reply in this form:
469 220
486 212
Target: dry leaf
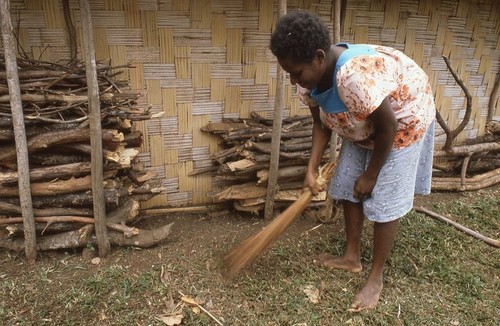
172 320
312 293
189 300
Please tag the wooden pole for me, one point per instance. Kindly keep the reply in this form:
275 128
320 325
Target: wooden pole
328 209
19 132
276 137
103 242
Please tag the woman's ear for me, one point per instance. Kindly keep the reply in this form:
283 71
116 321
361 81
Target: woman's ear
321 57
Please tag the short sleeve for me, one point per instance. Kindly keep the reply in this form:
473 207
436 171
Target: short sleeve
304 96
365 81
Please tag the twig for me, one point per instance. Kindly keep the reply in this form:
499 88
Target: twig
489 241
193 302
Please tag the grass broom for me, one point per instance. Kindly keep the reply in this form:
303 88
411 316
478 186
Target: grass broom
251 248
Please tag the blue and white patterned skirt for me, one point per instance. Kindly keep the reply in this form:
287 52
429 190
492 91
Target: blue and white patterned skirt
406 172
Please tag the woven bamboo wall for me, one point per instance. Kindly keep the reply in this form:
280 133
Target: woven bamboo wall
199 61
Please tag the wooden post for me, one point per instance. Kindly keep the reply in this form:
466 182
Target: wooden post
336 9
279 103
96 161
19 132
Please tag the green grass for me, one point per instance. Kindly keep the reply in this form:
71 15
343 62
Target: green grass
436 275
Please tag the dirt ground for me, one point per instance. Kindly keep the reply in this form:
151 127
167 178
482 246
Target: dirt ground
200 237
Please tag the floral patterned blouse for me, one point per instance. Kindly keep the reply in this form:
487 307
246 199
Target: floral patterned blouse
364 81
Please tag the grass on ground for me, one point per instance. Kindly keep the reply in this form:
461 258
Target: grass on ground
436 275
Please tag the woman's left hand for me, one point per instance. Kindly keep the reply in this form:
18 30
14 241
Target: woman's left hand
364 186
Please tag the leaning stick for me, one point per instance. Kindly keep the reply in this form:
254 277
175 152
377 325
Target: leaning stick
254 246
490 241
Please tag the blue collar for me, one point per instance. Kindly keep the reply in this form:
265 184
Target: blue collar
330 100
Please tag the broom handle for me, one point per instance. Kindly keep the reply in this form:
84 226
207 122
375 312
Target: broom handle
293 211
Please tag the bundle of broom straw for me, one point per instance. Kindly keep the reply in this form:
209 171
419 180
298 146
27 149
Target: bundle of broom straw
251 248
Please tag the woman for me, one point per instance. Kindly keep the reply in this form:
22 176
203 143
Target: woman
381 103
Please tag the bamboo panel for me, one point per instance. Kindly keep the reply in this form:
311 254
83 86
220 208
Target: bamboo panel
166 43
212 109
130 36
29 19
218 30
242 19
262 73
249 71
180 198
156 147
30 4
201 95
150 4
42 53
174 19
185 115
200 14
169 125
53 14
234 45
192 37
143 54
182 64
200 183
106 19
185 95
132 16
233 99
204 54
266 15
171 156
199 61
180 5
201 75
199 137
219 6
153 92
149 28
217 89
46 37
185 182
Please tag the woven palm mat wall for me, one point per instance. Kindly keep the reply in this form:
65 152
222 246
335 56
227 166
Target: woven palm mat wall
199 61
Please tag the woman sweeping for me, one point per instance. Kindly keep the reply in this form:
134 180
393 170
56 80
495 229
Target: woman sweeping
380 102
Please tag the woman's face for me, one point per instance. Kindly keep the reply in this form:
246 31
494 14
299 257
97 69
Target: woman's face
307 75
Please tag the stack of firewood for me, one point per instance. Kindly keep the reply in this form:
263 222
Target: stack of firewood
242 166
55 107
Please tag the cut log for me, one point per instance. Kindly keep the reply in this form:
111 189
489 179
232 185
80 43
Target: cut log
78 199
288 172
11 209
50 188
57 171
77 239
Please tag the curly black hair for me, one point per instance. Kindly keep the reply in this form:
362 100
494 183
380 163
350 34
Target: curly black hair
298 35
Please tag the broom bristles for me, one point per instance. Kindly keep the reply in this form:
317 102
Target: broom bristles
254 246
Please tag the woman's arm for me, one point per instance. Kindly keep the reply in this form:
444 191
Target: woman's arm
320 137
385 127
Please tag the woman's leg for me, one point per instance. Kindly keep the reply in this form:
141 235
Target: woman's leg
383 240
351 260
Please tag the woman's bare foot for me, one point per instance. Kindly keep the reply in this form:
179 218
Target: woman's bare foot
341 262
368 297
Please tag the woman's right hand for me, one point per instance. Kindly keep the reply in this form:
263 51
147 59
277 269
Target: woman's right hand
310 182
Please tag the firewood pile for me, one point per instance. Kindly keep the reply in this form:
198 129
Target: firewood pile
242 166
55 107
